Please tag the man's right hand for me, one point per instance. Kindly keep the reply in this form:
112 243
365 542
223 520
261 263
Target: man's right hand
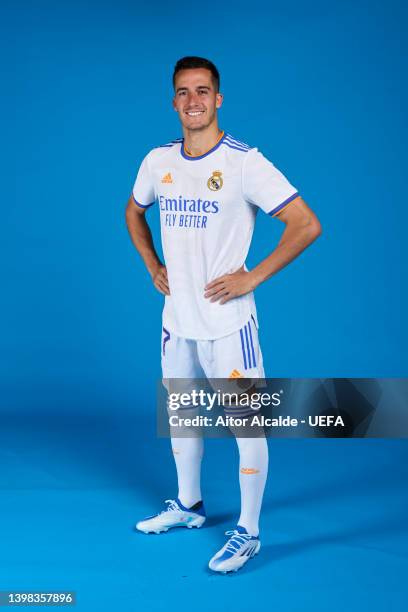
160 280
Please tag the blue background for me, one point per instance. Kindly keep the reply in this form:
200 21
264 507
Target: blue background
320 89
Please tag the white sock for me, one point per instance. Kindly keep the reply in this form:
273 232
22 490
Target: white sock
188 453
253 471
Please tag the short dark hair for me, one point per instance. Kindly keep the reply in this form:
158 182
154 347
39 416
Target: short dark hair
191 61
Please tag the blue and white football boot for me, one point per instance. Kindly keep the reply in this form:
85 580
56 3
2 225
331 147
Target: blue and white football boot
175 515
240 547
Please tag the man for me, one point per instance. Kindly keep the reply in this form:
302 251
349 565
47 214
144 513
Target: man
209 186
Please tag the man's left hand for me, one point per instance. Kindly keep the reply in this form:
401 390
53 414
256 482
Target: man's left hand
230 286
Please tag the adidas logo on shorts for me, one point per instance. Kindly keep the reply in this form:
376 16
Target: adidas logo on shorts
235 374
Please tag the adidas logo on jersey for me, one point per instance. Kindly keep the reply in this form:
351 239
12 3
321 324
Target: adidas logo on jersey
235 374
167 178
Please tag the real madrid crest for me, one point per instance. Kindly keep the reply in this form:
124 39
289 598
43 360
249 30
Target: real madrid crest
215 182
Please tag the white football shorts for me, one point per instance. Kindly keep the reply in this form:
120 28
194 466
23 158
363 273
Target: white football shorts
237 355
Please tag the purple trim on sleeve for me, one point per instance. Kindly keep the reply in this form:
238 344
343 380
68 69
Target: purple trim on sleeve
141 205
278 208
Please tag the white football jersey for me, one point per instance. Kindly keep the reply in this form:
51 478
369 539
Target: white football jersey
208 206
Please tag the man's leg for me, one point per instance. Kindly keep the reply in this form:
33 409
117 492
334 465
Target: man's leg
187 510
253 471
180 360
238 356
188 454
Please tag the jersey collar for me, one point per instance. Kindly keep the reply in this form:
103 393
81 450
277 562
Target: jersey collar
193 158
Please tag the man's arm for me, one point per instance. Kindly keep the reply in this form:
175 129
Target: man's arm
141 236
302 228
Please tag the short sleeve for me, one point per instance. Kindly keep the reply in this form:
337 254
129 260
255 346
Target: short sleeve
264 185
143 189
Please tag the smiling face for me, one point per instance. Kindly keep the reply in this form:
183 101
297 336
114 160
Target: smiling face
196 99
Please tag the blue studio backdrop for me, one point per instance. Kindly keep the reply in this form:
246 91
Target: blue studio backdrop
319 88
